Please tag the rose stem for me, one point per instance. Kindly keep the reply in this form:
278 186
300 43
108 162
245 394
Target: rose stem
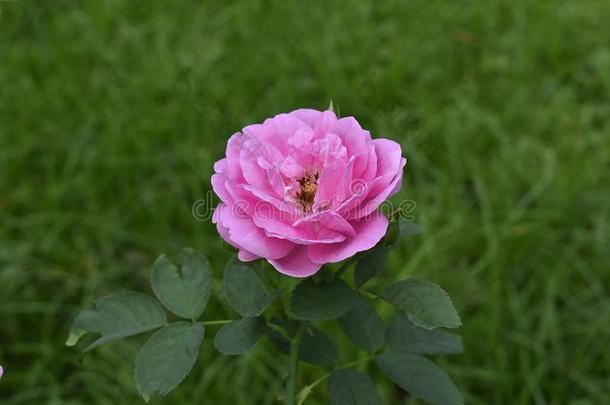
292 365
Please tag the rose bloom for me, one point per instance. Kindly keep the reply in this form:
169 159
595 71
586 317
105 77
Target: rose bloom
303 189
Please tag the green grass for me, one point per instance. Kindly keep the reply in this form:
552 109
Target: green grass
113 112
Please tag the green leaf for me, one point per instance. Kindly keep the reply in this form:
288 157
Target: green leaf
240 336
245 290
317 348
408 228
419 376
185 292
426 304
370 265
167 357
324 301
351 387
400 229
278 339
404 335
392 235
118 315
363 325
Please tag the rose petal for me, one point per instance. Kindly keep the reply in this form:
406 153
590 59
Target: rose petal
324 122
296 263
330 220
388 156
308 116
303 234
379 197
369 232
259 180
246 256
354 137
330 183
244 234
218 185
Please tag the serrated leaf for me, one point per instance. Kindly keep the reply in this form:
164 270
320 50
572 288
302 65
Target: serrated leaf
363 325
370 265
404 335
351 387
426 304
317 348
239 336
420 377
246 292
184 292
167 357
117 315
324 301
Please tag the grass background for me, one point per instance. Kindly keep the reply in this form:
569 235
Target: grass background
113 112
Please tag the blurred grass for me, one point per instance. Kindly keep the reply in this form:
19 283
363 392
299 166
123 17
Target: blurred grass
112 114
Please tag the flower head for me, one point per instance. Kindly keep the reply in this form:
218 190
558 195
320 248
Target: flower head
303 188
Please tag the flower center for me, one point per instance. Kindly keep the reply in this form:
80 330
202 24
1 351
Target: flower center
307 193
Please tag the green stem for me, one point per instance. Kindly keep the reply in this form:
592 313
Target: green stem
279 330
344 267
307 390
292 365
210 323
370 295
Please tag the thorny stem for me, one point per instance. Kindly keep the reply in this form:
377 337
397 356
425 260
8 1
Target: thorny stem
307 390
292 365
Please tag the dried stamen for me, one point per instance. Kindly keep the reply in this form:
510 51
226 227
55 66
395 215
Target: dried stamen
305 196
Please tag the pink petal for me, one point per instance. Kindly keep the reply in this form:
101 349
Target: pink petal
300 147
369 232
234 145
223 231
242 199
354 137
246 256
329 185
330 220
276 131
371 169
303 233
234 171
296 263
324 122
389 156
308 116
290 168
380 197
281 205
244 234
221 165
276 181
252 172
219 187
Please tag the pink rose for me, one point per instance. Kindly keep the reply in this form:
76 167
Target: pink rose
302 189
